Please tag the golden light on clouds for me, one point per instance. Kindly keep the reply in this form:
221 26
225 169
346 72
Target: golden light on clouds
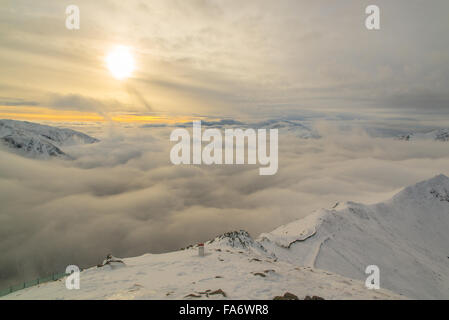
48 114
120 62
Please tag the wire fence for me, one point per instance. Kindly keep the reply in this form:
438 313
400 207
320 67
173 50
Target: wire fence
32 283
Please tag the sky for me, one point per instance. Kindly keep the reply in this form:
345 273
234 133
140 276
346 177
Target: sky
309 61
223 59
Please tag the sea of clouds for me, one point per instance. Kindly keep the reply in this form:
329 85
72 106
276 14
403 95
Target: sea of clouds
123 196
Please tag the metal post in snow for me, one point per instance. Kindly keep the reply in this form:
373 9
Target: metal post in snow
201 249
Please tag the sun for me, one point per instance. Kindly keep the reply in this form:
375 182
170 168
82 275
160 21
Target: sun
120 62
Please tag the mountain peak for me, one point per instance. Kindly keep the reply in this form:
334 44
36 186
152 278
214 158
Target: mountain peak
235 239
436 187
37 140
438 179
405 236
238 239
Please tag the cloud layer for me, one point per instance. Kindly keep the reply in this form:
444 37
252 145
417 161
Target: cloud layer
123 196
227 58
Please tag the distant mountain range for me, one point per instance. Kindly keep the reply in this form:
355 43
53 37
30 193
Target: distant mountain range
290 127
436 135
39 141
284 126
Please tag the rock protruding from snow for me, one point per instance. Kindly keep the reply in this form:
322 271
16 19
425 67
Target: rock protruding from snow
237 239
36 140
112 262
407 237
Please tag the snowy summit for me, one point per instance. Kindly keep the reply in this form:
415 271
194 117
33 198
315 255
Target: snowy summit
39 141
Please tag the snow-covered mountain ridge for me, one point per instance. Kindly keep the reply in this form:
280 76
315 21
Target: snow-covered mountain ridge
407 237
234 267
324 254
36 140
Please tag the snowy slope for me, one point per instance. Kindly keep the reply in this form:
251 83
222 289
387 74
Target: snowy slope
234 267
36 140
407 237
436 135
325 254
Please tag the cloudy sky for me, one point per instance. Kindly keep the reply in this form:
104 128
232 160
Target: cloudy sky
223 58
313 61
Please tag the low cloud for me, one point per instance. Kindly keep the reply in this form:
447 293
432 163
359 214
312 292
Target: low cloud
79 102
17 102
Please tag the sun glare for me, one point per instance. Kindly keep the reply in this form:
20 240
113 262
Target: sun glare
120 62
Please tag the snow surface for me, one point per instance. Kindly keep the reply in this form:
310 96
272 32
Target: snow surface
407 237
240 269
36 140
324 254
